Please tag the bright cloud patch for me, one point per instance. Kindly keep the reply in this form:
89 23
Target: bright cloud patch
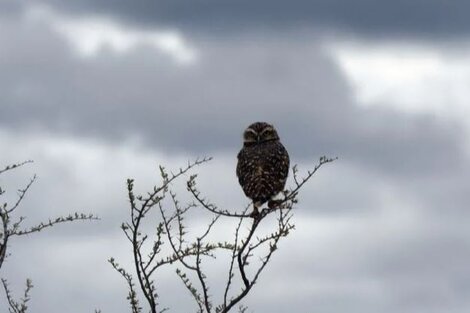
412 78
91 35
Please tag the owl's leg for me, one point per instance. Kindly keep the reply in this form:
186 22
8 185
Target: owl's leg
275 201
256 206
273 204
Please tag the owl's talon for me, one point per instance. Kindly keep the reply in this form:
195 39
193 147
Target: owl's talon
274 204
255 212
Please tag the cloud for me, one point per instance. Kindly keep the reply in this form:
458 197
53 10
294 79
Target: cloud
383 229
410 77
432 18
203 108
91 35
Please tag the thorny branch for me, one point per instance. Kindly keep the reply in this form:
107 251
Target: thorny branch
197 249
13 166
11 227
289 195
232 261
147 264
21 305
191 255
245 247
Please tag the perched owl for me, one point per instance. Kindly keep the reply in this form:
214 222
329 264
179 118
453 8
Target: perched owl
263 164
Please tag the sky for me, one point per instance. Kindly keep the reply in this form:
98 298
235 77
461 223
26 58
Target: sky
96 92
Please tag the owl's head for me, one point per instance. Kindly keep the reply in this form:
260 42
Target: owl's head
259 132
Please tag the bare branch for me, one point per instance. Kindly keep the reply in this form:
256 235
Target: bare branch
20 306
187 283
191 186
201 275
293 193
10 227
232 261
167 180
191 255
59 220
22 193
132 296
147 263
13 166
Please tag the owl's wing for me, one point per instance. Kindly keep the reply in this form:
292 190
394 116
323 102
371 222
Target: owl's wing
283 164
240 165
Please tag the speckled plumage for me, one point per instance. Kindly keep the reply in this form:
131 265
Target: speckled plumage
263 163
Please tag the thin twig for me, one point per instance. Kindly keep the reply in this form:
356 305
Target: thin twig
13 166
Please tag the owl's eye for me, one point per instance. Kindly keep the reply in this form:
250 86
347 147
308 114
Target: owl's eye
267 133
250 136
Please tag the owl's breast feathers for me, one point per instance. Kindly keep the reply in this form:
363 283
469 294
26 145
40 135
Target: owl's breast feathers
259 171
262 170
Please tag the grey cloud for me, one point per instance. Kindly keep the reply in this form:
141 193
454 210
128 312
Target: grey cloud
374 265
369 17
11 8
359 261
203 108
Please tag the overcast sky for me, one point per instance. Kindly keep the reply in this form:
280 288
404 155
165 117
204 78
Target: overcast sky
98 91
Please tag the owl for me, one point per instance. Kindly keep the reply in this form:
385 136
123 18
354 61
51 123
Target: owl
263 164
